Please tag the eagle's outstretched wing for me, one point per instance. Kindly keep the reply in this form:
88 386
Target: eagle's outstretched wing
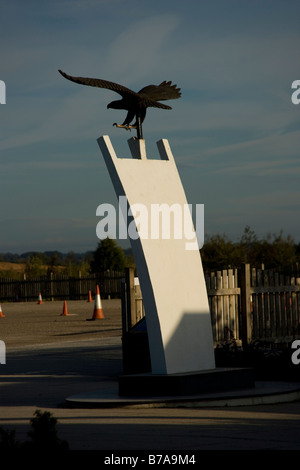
98 82
164 91
151 95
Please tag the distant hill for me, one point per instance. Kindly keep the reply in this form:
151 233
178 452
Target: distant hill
48 255
14 267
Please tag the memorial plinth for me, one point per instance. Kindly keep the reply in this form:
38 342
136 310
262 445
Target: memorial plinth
186 384
171 279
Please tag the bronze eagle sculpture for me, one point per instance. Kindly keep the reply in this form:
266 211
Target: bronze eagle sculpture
134 103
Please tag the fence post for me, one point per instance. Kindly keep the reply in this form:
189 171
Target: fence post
124 307
245 286
51 287
79 276
131 314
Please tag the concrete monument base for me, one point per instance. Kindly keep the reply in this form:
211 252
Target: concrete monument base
185 384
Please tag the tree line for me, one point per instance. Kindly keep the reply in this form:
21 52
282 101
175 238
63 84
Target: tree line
107 256
272 251
218 252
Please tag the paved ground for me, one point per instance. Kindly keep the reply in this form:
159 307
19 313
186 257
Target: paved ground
50 357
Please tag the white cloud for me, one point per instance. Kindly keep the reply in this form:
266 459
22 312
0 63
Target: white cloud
276 199
264 151
135 53
237 62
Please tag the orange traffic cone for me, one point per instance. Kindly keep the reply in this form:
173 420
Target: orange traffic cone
90 297
65 312
1 313
40 301
98 312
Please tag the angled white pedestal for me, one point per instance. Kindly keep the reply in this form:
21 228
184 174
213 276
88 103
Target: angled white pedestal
171 276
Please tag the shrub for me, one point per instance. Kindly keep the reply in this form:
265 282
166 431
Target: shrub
43 435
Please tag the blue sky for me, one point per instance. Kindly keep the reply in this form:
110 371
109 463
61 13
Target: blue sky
235 133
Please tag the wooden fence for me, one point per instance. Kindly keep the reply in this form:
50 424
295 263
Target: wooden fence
224 301
245 304
57 287
275 305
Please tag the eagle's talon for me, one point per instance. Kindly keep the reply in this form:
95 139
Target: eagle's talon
127 127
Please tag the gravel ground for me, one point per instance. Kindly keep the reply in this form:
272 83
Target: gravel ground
30 324
50 357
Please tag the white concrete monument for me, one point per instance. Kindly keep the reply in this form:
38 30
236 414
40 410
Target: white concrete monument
171 275
168 264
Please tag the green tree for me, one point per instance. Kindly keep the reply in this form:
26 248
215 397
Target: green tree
108 255
273 251
278 251
54 263
35 265
248 247
218 252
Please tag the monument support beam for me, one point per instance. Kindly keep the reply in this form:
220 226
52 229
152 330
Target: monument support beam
171 276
